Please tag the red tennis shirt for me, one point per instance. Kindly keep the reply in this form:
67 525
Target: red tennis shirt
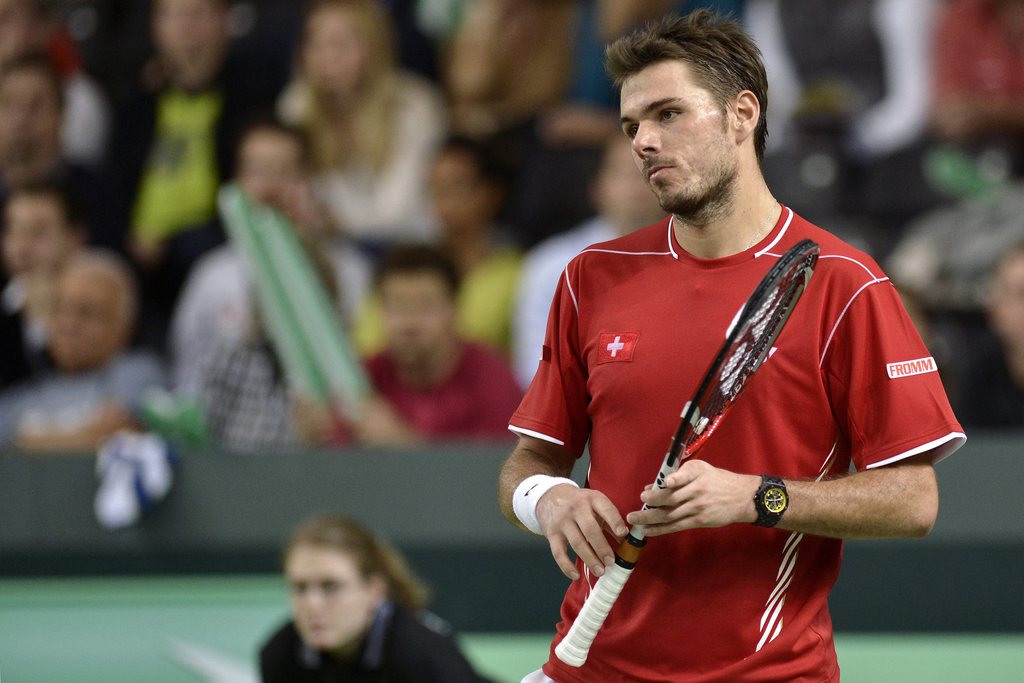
633 327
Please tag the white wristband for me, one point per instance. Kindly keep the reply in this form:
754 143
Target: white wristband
528 494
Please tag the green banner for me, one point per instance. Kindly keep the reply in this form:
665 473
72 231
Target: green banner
303 323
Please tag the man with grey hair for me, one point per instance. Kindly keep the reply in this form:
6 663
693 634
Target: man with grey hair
96 383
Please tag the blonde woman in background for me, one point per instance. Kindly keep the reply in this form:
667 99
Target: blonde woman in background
374 128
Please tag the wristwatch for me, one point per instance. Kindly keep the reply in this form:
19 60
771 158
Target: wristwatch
770 501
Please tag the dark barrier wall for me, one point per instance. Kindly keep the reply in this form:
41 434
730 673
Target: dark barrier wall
231 513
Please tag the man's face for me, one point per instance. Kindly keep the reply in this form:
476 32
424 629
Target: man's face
1006 310
332 602
679 138
464 201
37 237
89 325
270 166
30 117
191 37
21 30
419 317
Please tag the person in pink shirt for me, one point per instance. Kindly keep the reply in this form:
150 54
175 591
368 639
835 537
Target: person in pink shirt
441 385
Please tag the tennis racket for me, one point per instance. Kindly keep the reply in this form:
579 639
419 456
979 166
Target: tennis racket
747 343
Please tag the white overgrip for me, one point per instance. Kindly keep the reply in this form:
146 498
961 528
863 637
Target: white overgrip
575 646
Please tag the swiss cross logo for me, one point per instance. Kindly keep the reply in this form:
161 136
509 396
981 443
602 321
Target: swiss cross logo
909 368
616 346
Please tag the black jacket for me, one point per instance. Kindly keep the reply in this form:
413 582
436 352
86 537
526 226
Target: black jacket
399 648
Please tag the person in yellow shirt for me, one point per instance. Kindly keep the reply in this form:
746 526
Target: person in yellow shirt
173 145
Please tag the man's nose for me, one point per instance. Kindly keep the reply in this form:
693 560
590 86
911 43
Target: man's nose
646 141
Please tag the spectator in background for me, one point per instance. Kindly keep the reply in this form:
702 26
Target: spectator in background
441 385
468 190
624 203
588 111
174 145
528 76
216 306
865 68
96 384
29 27
41 230
979 91
223 353
31 117
507 64
373 127
249 401
947 255
850 104
992 387
508 61
357 614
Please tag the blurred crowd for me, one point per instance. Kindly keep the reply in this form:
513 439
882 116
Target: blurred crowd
440 161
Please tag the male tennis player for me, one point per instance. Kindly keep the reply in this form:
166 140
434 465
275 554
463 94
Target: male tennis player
733 584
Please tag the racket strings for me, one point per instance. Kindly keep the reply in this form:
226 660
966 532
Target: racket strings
765 326
749 348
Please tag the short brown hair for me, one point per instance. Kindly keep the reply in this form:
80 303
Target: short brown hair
723 57
69 202
405 258
264 122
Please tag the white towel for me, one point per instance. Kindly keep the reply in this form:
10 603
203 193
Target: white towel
135 471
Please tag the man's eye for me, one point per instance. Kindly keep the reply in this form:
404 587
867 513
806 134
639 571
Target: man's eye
631 131
668 115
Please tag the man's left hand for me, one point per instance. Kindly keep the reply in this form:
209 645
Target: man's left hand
697 496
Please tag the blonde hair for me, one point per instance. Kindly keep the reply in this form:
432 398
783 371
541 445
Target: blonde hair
367 132
372 555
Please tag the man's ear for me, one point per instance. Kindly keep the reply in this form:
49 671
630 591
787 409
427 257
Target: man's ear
745 115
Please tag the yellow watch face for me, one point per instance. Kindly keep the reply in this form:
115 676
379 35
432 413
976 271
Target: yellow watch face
775 500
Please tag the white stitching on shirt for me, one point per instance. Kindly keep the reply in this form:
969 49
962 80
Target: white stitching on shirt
832 333
770 625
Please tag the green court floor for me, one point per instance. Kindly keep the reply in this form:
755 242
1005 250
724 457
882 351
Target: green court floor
189 629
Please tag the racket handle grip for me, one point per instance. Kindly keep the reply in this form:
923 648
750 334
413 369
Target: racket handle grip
575 646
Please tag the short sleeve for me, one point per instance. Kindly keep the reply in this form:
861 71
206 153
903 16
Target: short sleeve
885 387
555 406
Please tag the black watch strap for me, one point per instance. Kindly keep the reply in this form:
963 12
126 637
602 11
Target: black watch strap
770 501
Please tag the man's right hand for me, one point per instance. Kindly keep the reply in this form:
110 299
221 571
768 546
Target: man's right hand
582 519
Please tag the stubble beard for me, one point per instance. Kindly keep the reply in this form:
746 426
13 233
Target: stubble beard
701 204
